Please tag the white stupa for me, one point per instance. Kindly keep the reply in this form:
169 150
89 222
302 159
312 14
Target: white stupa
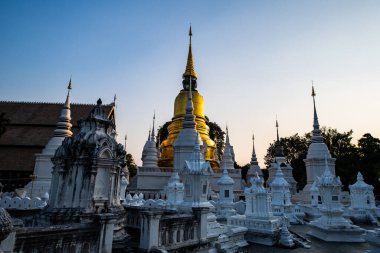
281 199
225 203
316 155
42 176
150 154
363 207
332 226
263 226
287 170
174 191
254 165
228 157
184 144
196 175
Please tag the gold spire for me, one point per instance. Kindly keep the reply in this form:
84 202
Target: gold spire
190 61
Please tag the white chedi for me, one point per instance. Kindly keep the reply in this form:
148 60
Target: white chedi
258 200
279 188
254 164
316 155
42 175
363 207
332 226
281 199
361 194
150 153
196 175
225 204
174 191
263 227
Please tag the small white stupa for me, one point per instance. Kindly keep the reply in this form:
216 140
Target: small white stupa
281 199
150 154
263 227
184 144
254 164
42 175
332 226
287 170
228 157
363 206
174 191
225 203
196 175
315 160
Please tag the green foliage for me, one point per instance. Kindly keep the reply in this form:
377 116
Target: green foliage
3 123
132 167
244 170
369 160
349 158
217 134
295 150
162 132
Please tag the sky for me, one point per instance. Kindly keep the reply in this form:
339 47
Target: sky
254 59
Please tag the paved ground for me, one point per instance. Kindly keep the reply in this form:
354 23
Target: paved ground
318 246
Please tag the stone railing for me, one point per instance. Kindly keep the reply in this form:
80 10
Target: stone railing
178 231
25 203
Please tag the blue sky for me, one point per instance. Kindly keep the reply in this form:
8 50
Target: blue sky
254 59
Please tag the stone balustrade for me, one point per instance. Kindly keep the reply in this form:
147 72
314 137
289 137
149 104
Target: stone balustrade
25 203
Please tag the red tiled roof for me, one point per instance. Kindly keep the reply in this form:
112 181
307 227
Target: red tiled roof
31 126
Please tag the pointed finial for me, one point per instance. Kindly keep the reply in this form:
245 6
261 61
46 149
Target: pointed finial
149 134
279 150
317 137
278 137
312 89
125 142
227 135
153 133
189 71
64 122
69 86
253 157
114 99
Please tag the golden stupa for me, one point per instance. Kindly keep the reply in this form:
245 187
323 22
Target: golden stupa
166 147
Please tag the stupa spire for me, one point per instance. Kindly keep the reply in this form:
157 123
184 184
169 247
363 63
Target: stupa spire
278 151
153 133
149 134
227 136
278 137
189 71
189 121
253 158
317 137
64 122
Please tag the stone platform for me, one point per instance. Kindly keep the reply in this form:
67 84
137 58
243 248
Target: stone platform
350 234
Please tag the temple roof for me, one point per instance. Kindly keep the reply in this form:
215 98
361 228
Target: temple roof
31 126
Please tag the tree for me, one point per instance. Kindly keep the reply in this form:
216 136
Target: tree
339 144
3 123
217 135
369 160
132 167
346 154
295 150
